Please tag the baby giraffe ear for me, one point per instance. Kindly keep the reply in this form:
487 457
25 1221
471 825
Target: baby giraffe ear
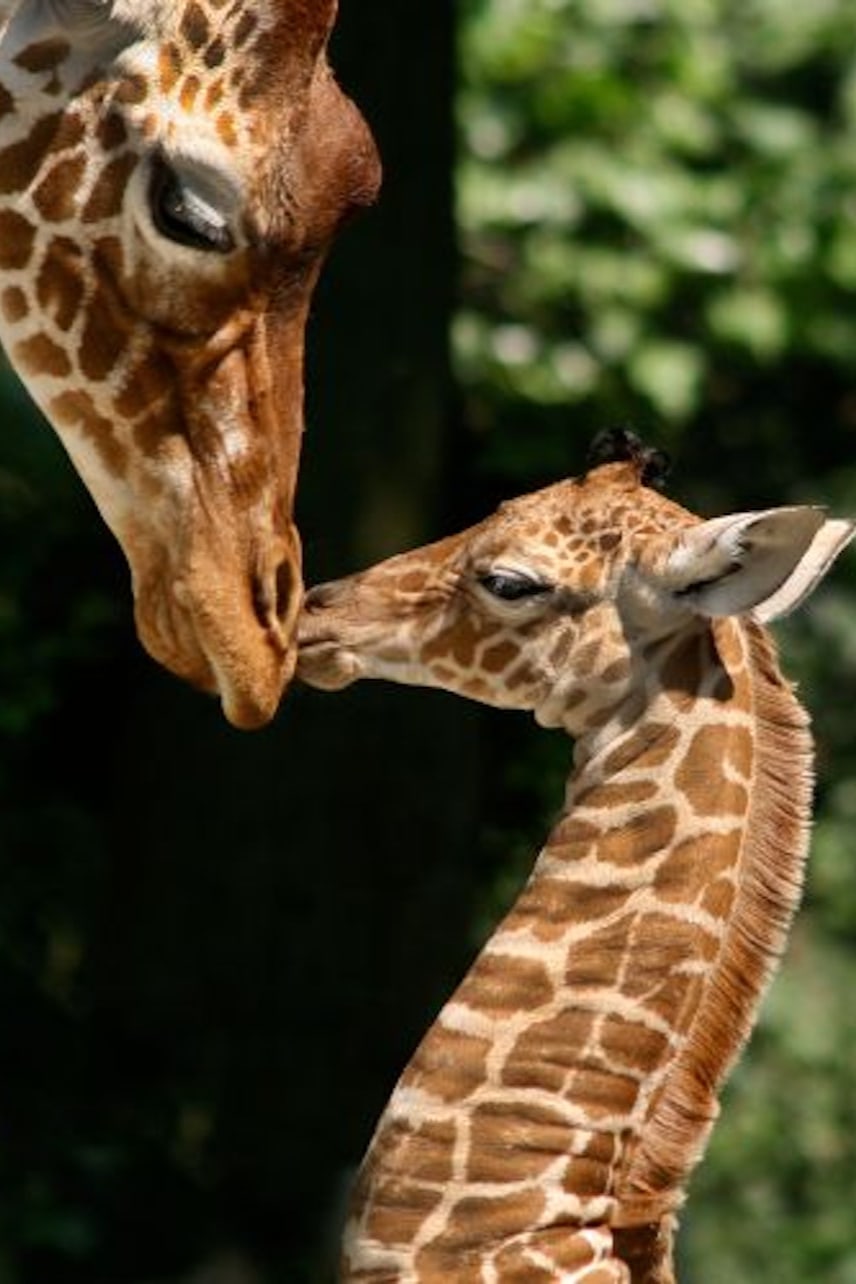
765 563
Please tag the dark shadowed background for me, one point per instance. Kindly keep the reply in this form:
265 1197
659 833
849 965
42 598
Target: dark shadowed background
217 949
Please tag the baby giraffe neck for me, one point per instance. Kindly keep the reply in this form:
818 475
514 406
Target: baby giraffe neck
546 1127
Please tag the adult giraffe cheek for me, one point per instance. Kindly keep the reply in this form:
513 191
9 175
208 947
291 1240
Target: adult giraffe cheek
214 551
216 605
198 620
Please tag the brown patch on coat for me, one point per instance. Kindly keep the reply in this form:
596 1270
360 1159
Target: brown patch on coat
14 304
549 907
105 335
59 284
17 236
515 1265
398 1210
111 131
502 985
547 1051
596 963
108 192
642 836
647 747
170 66
56 195
632 1044
189 92
76 409
613 795
693 865
448 1064
20 162
145 385
424 1151
225 124
214 54
496 1218
43 55
701 776
194 27
515 1142
39 355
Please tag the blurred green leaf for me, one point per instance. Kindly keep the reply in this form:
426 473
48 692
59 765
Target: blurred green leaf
661 230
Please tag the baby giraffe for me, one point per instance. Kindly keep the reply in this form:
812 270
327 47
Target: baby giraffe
546 1128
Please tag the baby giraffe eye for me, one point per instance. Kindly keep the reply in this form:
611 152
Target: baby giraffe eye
184 216
512 586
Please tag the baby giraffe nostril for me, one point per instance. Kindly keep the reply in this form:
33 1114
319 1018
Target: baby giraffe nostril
322 595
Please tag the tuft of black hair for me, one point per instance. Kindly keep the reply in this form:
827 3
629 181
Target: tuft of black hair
620 445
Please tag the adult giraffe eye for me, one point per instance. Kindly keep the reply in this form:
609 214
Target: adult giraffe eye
184 216
512 586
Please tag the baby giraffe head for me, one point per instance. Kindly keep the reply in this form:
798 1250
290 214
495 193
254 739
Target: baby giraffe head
554 603
172 173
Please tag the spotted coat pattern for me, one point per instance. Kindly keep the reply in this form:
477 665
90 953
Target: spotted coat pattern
547 1125
173 372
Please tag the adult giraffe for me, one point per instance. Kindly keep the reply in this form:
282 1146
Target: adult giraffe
547 1126
171 175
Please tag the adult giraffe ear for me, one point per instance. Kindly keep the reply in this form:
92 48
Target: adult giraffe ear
765 563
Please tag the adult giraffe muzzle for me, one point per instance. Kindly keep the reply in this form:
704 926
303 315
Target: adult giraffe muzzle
171 176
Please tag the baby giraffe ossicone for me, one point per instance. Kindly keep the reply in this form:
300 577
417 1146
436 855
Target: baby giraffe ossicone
546 1128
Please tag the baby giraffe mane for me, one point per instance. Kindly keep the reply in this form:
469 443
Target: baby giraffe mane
770 879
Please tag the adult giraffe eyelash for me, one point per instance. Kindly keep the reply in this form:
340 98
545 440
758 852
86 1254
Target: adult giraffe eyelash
183 216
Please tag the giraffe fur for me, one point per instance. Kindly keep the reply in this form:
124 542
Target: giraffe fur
172 173
567 1089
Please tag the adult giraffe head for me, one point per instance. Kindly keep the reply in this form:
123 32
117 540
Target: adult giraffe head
171 175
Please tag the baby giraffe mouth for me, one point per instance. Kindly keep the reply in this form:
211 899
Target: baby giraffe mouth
322 660
327 673
325 665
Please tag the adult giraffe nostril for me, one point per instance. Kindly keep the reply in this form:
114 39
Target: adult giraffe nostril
287 593
276 598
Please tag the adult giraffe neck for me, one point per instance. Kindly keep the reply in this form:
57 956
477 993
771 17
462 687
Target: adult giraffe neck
567 1089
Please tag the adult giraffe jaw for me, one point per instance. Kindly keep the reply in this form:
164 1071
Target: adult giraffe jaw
218 588
171 176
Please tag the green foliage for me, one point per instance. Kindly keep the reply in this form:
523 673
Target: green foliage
657 201
657 207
